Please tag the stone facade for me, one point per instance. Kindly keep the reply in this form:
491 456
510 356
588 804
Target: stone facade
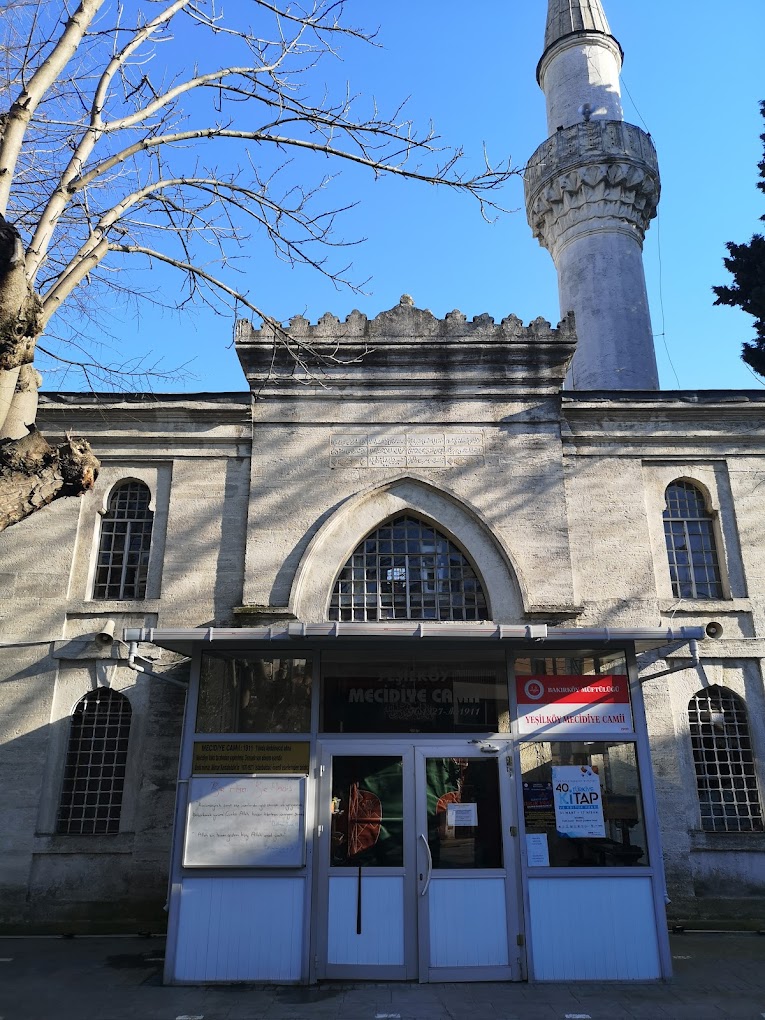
194 455
556 497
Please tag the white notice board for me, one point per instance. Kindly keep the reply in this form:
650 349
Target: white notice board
245 822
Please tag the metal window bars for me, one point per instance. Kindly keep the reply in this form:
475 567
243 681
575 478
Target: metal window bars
724 762
408 570
691 550
96 758
124 544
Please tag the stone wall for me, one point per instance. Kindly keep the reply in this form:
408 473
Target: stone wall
556 498
193 454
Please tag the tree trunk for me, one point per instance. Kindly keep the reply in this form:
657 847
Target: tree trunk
32 473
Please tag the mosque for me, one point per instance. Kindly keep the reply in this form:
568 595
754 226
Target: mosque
447 668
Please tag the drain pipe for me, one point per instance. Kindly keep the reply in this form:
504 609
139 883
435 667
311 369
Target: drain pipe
132 664
693 646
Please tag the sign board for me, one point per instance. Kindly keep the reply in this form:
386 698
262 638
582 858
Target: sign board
247 756
465 815
392 696
578 801
537 850
557 706
245 822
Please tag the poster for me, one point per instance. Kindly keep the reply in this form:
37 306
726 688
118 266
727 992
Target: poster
578 801
462 814
554 706
537 850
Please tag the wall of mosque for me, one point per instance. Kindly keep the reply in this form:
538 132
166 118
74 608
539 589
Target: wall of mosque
557 502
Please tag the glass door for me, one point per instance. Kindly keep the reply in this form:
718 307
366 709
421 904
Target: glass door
417 863
467 890
367 923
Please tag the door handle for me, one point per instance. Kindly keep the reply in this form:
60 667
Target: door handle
430 865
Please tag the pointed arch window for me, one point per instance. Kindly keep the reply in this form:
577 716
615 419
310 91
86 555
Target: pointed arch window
724 762
96 758
691 549
408 570
124 544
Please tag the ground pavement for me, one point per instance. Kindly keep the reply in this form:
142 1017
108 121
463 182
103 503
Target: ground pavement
716 976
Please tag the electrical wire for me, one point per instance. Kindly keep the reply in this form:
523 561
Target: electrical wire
663 333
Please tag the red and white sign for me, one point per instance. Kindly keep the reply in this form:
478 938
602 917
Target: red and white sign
564 705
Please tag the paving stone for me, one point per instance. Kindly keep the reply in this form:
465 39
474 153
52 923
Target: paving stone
724 979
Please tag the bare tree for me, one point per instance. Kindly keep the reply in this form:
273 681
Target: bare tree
112 149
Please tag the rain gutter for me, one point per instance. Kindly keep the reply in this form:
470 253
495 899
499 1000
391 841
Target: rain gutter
187 639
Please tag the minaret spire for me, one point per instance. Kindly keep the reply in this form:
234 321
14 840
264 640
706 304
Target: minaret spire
566 17
580 64
591 190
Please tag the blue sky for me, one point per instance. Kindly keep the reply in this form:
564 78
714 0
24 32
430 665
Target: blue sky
693 79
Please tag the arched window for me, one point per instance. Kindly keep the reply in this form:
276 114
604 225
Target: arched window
722 756
94 773
407 570
123 548
693 564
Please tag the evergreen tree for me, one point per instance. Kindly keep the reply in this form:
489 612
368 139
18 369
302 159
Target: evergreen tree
747 266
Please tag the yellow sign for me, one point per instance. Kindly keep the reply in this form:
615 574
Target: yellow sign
247 757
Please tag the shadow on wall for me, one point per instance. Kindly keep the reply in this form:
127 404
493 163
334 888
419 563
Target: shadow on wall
510 490
90 884
84 883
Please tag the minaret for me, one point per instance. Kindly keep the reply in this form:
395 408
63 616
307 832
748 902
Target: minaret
591 190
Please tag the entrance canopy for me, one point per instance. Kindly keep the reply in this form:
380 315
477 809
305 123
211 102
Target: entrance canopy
186 639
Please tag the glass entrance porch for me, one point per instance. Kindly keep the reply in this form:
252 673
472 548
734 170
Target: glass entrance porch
463 805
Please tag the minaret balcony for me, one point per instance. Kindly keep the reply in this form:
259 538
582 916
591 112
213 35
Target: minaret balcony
596 174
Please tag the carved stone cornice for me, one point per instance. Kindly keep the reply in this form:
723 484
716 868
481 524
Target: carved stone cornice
405 351
597 175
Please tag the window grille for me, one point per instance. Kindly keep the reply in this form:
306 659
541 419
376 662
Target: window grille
407 570
724 762
691 549
123 549
94 773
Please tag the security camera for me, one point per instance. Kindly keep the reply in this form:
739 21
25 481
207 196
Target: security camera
714 629
106 634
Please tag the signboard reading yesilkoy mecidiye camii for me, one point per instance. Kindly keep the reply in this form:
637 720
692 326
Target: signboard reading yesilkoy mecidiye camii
567 705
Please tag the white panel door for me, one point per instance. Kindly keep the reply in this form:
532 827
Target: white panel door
417 863
367 923
467 889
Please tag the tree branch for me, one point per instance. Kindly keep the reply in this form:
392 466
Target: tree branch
486 181
23 108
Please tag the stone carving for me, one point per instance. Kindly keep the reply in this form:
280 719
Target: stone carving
590 173
407 324
424 448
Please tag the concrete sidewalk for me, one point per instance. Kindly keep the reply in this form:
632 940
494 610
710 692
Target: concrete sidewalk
115 979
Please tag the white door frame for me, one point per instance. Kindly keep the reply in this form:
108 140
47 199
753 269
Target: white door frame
415 874
507 876
407 969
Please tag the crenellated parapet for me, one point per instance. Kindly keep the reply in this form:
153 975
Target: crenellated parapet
405 348
406 323
595 175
